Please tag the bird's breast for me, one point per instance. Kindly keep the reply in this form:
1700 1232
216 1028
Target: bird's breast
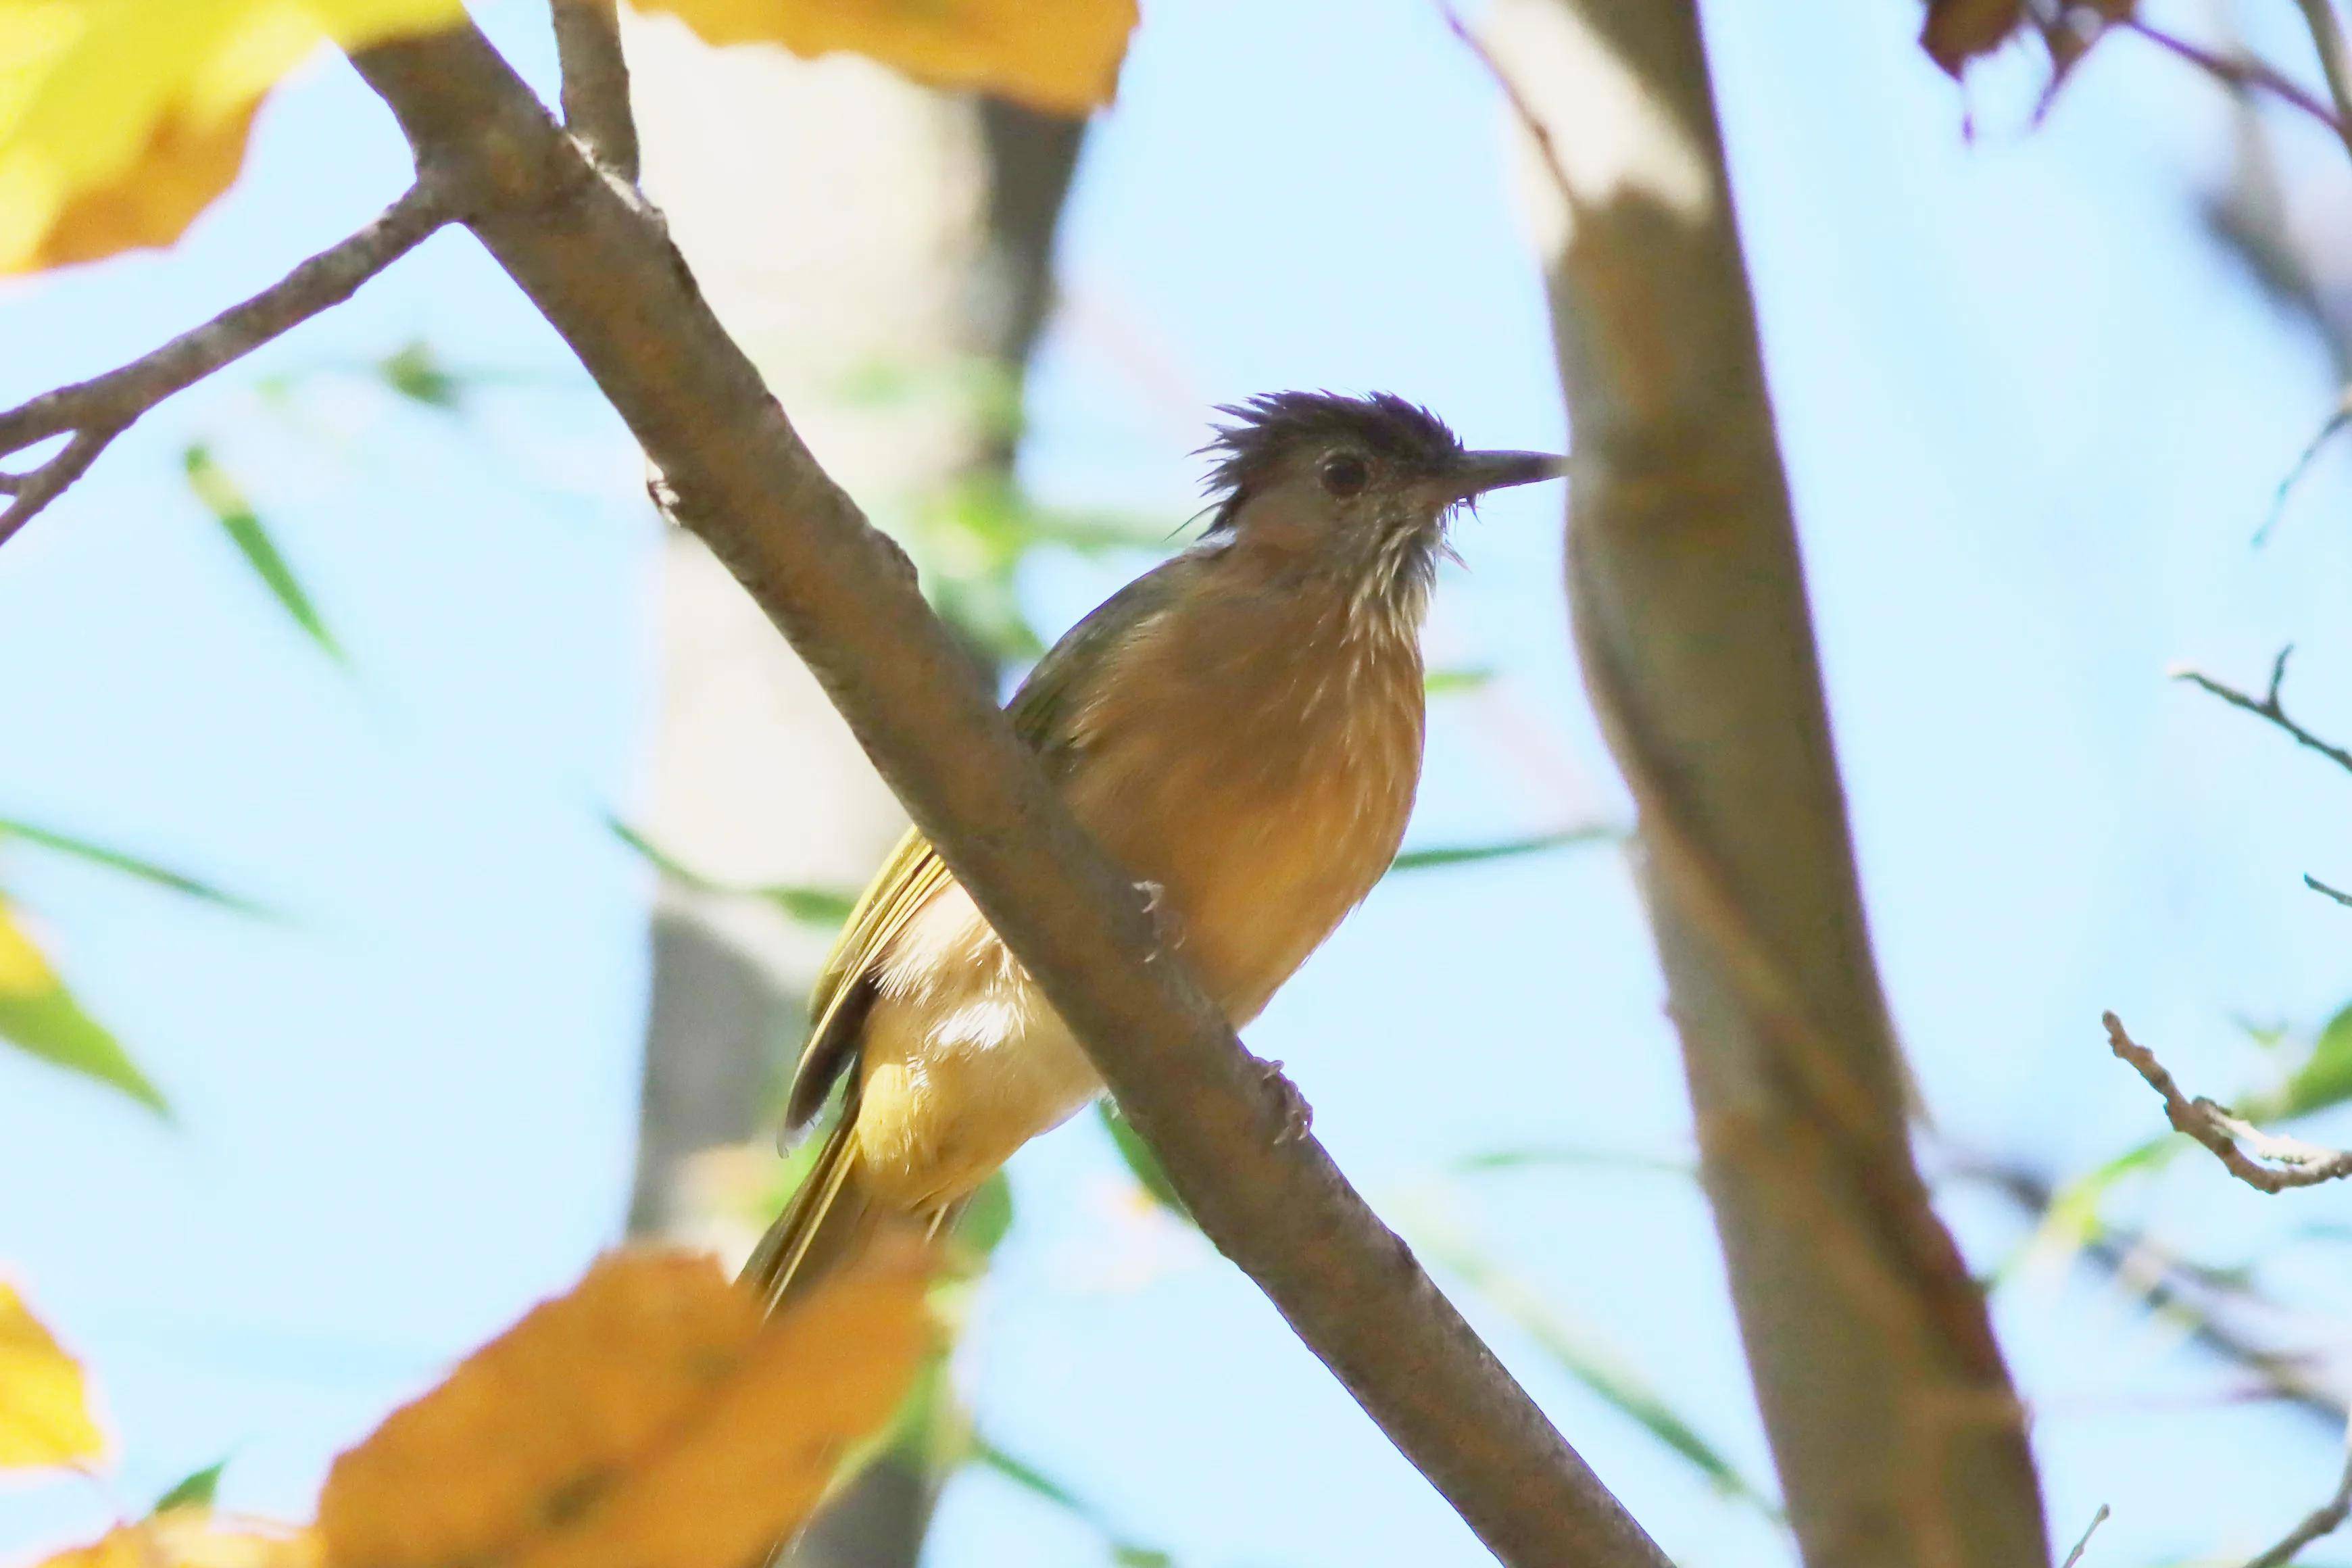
1261 785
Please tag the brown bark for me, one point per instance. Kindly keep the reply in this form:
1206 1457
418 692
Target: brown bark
1896 1432
593 260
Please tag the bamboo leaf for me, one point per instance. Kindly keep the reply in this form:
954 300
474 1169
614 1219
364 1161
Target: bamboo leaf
1452 682
197 1491
816 906
1594 1364
130 865
227 503
39 1016
1141 1161
1468 854
1037 1483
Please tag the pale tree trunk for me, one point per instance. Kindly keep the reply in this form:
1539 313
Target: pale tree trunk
1898 1435
933 257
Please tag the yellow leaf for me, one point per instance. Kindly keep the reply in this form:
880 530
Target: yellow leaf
122 120
194 1538
44 1407
646 1420
1061 56
23 971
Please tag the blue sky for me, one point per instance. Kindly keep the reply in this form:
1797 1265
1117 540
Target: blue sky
2031 418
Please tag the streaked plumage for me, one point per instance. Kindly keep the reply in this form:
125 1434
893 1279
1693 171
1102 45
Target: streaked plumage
1240 728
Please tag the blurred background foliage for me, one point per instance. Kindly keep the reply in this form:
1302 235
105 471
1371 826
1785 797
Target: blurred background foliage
1004 514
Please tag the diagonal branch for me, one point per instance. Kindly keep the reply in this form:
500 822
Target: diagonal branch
2267 707
596 83
594 258
2325 1519
95 412
2243 73
2273 1164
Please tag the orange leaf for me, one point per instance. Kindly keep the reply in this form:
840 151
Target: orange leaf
193 1538
1060 56
646 1420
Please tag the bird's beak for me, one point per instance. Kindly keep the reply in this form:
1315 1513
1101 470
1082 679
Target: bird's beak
1478 473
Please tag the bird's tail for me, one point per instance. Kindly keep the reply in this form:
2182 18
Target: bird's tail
830 1221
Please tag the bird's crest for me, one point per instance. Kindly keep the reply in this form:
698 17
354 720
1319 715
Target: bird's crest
1267 428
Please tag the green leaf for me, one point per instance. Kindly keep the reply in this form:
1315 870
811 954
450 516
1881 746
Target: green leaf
416 372
50 1023
826 906
196 1491
1141 1161
1465 854
2326 1076
1450 682
986 1217
227 503
1595 1366
115 859
1030 1479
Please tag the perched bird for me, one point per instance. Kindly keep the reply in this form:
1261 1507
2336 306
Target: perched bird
1241 731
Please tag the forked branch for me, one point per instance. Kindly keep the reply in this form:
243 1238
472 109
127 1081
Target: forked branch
91 413
2263 1161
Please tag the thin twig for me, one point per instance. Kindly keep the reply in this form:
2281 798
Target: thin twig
96 410
2089 1529
2224 1318
1524 112
2334 60
2267 707
2242 73
2273 1164
596 83
2337 420
2325 1519
2316 885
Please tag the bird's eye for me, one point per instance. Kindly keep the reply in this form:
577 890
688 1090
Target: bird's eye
1344 474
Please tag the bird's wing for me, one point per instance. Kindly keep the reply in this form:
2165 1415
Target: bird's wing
1045 715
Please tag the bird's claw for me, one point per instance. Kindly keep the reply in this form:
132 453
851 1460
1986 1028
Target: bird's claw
1295 1117
1163 919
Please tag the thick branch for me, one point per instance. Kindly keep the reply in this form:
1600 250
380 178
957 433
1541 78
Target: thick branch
1899 1437
2273 1164
96 410
596 82
2325 1519
594 259
2267 707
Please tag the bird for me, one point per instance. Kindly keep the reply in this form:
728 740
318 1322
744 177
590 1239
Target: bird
1241 731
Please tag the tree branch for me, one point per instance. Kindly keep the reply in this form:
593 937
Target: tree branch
1899 1437
2244 73
2275 1165
96 410
2169 1288
596 82
2267 707
594 257
2325 1519
2334 60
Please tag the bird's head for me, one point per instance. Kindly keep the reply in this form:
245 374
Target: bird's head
1358 488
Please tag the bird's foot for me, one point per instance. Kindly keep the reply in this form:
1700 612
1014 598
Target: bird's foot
1163 919
1295 1117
